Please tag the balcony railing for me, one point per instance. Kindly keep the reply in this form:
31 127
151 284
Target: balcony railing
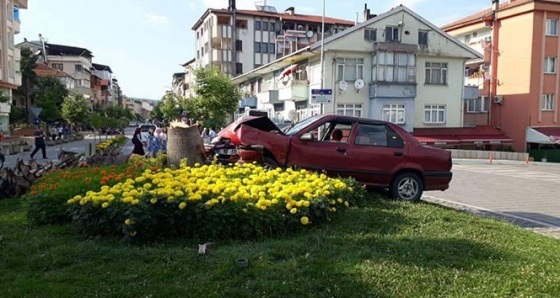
296 90
270 96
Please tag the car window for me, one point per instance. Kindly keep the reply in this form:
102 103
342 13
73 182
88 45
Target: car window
301 125
332 131
145 128
379 135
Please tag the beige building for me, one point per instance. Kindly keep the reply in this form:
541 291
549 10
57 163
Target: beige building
75 61
10 75
239 42
396 67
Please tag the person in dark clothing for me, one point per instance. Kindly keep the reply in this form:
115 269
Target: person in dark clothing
137 141
39 143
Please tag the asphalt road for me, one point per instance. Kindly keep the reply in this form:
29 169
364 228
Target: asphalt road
526 193
75 146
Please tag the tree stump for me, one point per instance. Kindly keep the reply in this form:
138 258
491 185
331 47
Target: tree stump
184 142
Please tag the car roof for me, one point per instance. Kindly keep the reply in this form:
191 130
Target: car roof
353 118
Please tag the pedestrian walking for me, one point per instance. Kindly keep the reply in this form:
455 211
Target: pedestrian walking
39 143
137 142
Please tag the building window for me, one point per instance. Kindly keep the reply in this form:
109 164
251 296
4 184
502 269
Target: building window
552 27
392 33
264 26
548 102
349 110
349 69
393 67
370 34
550 65
434 114
271 48
394 113
257 47
257 25
239 45
436 73
78 67
423 37
477 105
58 66
272 27
264 47
238 68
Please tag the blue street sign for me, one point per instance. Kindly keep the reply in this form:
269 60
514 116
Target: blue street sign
321 96
36 121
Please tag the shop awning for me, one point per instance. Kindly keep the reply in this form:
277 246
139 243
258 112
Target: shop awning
478 135
543 135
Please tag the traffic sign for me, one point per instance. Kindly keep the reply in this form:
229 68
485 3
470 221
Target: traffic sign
36 121
321 96
36 111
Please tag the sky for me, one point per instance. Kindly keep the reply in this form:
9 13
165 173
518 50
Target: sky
146 41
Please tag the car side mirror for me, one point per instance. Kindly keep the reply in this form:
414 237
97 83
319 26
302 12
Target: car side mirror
308 137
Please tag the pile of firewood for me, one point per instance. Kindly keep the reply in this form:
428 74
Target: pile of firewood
17 181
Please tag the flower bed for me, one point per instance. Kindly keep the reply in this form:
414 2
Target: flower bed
46 201
212 202
115 142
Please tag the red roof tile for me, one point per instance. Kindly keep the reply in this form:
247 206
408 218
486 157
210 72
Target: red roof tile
477 17
283 15
43 70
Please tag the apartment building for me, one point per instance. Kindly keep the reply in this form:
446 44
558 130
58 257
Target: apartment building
396 67
517 81
10 75
75 61
237 41
101 80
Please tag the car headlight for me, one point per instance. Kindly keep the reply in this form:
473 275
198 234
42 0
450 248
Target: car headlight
215 140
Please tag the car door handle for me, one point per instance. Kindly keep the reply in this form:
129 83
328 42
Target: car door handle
341 150
398 153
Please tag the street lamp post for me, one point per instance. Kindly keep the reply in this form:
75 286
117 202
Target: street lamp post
322 53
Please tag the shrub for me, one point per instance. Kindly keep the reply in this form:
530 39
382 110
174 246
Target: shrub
46 201
212 202
115 142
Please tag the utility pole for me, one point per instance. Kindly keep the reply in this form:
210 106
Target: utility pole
323 55
233 10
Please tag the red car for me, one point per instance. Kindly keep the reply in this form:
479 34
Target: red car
376 153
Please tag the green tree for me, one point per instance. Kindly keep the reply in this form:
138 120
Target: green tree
75 109
50 95
28 62
96 120
169 107
3 97
156 112
18 115
216 96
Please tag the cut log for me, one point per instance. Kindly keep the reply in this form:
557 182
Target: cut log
184 142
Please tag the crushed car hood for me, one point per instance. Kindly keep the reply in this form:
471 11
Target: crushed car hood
258 122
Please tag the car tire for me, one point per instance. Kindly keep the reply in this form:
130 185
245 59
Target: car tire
269 163
407 187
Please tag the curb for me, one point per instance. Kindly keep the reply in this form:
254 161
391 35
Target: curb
536 226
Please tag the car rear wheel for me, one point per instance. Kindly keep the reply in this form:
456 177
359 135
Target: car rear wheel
269 163
407 187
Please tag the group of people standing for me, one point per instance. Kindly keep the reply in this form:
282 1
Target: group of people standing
155 142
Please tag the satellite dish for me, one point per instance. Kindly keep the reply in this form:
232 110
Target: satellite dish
359 84
309 34
292 115
343 85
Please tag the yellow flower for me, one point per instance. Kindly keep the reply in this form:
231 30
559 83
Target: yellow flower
135 201
293 211
306 204
128 221
133 233
304 220
182 205
105 205
153 201
346 204
340 200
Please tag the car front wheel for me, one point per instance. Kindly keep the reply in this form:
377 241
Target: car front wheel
407 187
269 163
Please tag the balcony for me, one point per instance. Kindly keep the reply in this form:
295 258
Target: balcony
221 55
295 90
270 96
471 92
248 102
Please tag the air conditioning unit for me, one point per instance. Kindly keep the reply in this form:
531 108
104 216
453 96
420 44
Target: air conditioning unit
499 99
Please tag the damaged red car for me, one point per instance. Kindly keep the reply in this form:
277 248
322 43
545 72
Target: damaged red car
376 153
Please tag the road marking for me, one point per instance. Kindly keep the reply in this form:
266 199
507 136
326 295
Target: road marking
433 199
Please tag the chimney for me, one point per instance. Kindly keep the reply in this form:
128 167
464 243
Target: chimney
290 10
365 12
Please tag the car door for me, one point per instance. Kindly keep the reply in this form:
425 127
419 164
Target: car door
321 152
376 153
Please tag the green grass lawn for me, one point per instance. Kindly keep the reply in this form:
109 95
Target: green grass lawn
386 249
